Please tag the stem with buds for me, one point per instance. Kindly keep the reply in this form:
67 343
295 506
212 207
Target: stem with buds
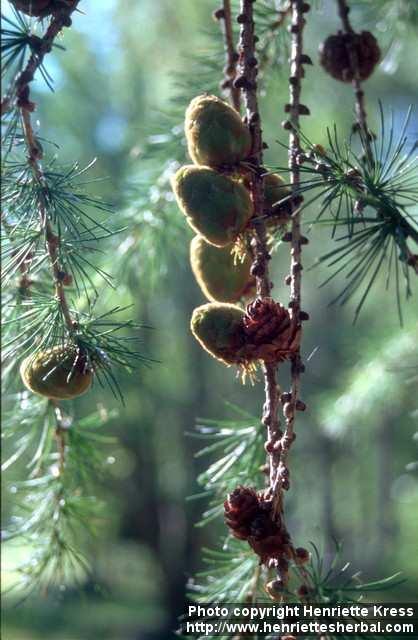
360 104
361 115
295 109
21 92
224 15
247 81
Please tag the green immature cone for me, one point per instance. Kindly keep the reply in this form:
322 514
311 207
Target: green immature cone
219 329
215 206
275 189
215 133
264 331
220 279
59 373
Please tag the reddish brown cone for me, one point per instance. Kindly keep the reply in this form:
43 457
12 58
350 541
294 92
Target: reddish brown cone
249 516
269 330
334 55
241 508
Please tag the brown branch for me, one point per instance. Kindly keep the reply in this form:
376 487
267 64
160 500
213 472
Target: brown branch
60 20
224 15
247 81
295 109
51 239
360 103
20 94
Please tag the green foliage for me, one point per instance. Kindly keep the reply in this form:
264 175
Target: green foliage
54 511
240 445
399 15
233 576
373 384
229 577
373 198
334 584
233 573
274 42
51 225
19 41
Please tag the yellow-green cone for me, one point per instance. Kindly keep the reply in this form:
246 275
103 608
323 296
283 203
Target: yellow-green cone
219 278
215 133
215 206
274 191
218 328
59 373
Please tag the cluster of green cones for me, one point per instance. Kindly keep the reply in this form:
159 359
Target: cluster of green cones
215 197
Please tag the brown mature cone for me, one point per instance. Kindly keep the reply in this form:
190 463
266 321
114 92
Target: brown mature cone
267 539
240 509
334 55
248 515
270 333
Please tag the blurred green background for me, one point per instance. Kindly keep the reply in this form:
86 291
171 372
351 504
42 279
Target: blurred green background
354 463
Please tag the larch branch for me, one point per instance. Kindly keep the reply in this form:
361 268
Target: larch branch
247 81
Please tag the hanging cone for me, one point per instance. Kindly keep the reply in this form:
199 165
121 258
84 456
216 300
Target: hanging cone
215 133
59 373
220 277
334 55
249 516
270 334
215 206
264 332
219 329
275 189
